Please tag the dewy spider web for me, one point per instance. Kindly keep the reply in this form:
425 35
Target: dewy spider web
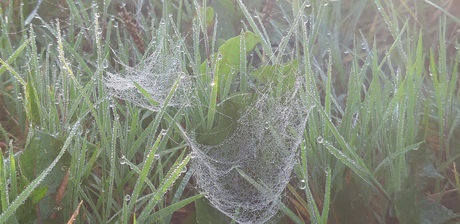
243 176
157 74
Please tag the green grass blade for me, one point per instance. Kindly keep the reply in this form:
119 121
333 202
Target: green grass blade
9 211
172 208
167 182
13 57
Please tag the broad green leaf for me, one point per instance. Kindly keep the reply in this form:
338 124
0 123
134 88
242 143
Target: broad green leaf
41 178
282 77
228 55
230 51
38 155
38 194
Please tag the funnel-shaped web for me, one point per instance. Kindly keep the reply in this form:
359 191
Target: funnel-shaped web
245 175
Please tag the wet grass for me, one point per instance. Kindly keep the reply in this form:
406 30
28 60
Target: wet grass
380 146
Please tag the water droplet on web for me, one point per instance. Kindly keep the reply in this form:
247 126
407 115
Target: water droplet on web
302 184
105 63
127 197
320 140
184 169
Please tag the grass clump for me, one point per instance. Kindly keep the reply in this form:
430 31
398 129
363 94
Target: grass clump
128 112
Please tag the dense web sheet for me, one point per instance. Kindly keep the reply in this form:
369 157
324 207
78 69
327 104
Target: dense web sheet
245 175
157 74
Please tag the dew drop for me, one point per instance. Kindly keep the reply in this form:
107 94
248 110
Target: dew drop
320 140
302 184
157 156
267 125
123 160
105 63
127 197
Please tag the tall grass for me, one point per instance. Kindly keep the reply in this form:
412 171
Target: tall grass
380 143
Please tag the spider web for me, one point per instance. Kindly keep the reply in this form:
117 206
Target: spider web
157 74
245 175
